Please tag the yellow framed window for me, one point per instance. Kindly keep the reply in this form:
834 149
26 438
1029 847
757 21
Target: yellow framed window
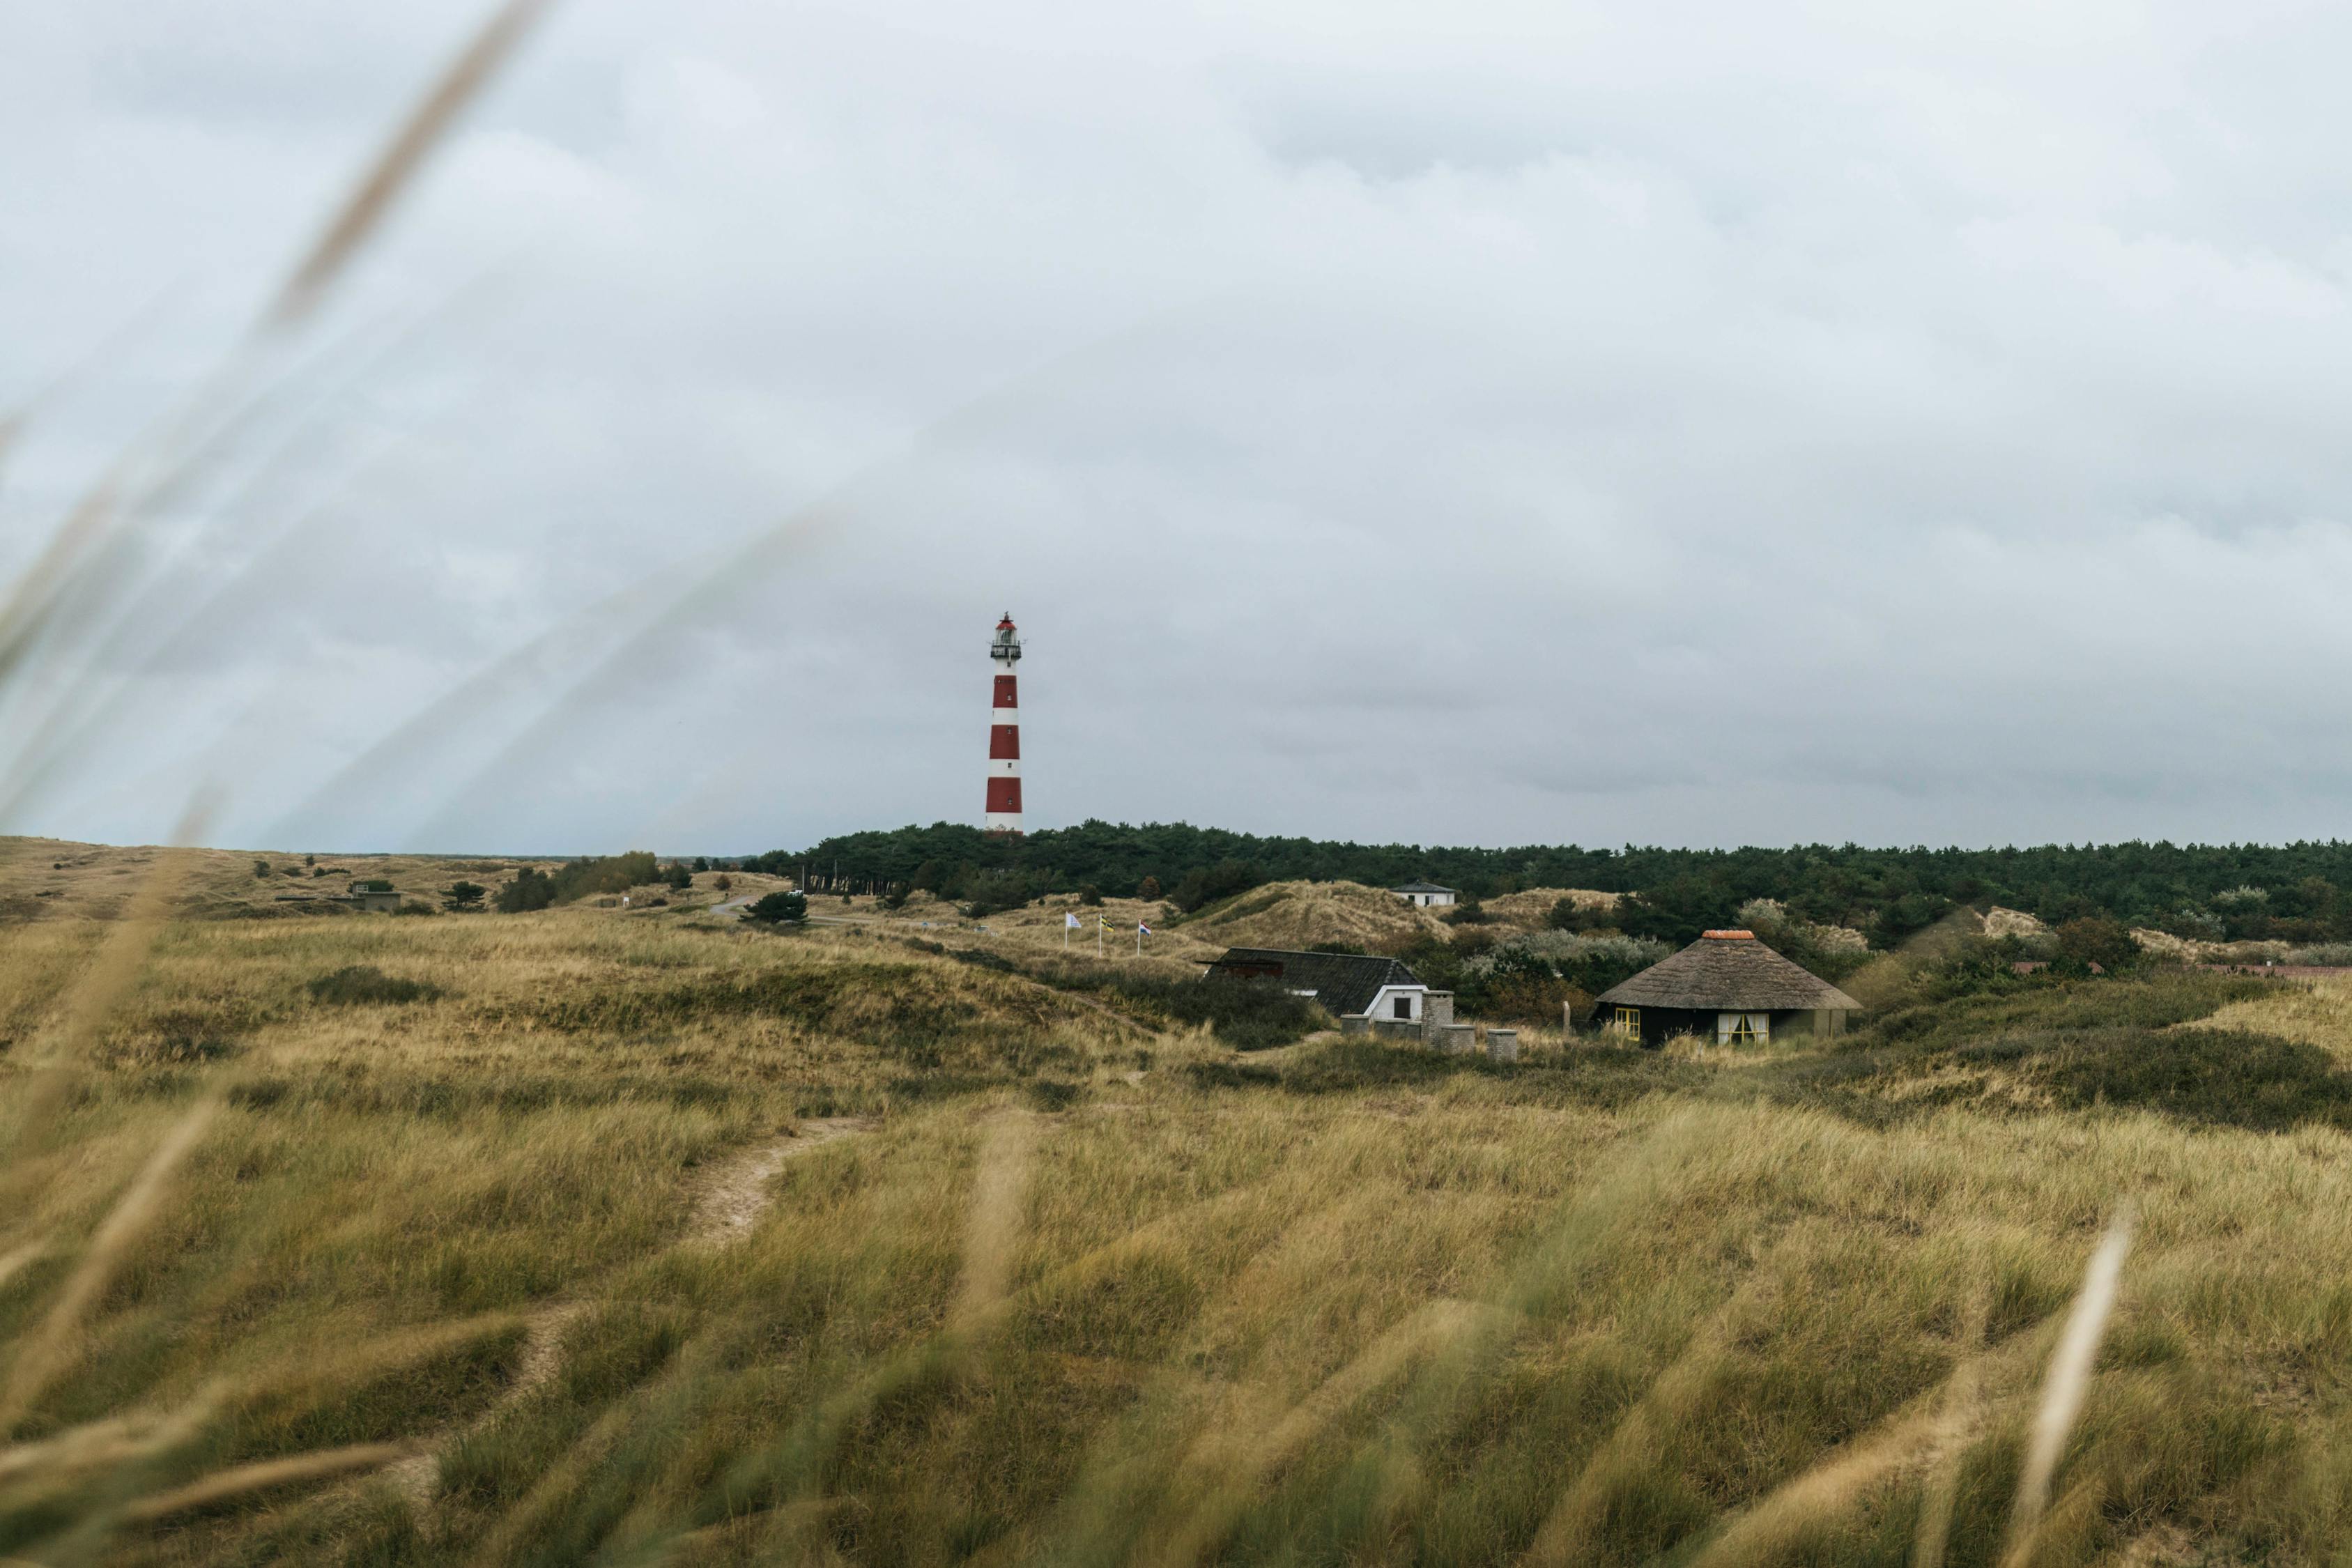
1627 1023
1743 1030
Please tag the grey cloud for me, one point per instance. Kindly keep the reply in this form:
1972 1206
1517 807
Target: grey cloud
1690 423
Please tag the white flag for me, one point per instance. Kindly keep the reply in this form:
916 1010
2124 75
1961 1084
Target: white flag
1071 919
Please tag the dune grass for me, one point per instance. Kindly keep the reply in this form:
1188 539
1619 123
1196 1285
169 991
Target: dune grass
1351 1303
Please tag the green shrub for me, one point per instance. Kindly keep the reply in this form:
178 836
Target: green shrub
2223 1077
986 892
2094 940
1525 967
531 890
774 909
1247 1015
1204 886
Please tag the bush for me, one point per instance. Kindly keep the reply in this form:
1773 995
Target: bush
1090 895
988 891
260 869
536 889
1247 1015
1567 914
2096 939
1906 917
365 986
531 890
679 878
2194 924
775 909
1148 890
1204 887
1589 963
465 895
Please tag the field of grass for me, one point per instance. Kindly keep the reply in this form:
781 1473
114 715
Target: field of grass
572 1237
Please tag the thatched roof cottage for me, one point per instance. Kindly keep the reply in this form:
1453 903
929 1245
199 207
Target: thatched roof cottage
1726 986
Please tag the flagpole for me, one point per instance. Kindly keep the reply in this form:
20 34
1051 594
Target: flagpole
1099 929
1139 939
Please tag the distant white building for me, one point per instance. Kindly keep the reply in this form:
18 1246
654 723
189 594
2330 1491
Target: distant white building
1424 894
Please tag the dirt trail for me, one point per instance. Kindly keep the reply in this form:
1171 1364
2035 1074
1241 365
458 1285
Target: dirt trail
727 1202
735 1193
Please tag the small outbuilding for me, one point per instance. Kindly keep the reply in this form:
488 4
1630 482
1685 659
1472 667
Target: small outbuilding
1340 983
372 894
1421 895
1727 986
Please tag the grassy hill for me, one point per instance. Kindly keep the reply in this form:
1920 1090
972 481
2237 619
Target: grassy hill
635 1236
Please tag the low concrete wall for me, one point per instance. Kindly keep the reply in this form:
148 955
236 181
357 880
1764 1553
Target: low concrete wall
1355 1024
1456 1039
1395 1028
1503 1045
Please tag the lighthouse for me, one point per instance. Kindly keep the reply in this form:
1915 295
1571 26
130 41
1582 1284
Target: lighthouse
1004 731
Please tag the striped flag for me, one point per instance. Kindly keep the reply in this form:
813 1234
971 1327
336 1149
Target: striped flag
1142 928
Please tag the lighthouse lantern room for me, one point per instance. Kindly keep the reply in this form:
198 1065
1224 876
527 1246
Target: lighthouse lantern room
1005 733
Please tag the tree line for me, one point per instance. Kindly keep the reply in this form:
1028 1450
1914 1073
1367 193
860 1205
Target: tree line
2295 892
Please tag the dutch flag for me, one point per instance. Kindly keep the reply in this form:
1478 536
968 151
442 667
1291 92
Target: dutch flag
1142 928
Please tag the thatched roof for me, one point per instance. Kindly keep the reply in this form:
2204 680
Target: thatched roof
1728 971
1341 982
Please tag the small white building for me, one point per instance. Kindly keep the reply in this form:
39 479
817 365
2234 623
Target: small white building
1421 895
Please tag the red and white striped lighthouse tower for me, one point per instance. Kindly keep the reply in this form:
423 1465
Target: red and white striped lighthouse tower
1005 733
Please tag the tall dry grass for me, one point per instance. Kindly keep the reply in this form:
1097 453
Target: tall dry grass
1452 1314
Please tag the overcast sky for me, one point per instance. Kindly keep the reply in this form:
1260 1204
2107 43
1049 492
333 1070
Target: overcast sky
1460 423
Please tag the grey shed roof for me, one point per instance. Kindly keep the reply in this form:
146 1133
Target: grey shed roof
1731 971
1421 887
1343 983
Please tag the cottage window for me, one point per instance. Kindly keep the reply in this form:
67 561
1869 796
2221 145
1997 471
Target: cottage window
1743 1029
1404 1006
1627 1023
